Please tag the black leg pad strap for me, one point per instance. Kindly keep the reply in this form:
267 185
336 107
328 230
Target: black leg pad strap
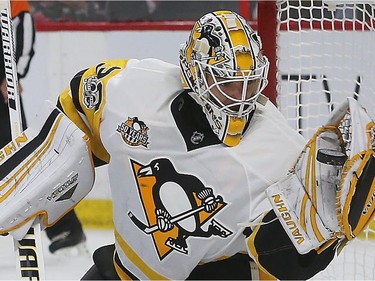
103 268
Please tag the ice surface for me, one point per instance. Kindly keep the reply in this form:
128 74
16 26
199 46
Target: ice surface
56 267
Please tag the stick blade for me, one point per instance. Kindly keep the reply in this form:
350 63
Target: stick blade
146 229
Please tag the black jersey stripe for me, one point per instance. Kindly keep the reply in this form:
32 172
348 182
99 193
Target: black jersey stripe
74 88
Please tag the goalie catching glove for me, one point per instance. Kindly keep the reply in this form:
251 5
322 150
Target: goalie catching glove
329 194
46 171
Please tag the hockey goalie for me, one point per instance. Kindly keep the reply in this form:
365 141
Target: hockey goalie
207 178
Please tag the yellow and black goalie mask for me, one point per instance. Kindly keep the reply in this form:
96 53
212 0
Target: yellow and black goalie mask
222 63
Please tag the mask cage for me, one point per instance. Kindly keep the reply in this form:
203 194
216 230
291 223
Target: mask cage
238 107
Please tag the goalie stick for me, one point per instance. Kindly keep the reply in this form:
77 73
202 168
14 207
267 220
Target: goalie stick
29 256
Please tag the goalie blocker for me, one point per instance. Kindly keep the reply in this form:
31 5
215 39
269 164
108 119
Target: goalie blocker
46 171
329 196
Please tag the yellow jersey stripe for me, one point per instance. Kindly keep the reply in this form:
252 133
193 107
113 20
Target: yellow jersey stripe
137 260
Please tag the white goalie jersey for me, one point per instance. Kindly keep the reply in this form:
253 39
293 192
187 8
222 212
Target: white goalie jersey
180 196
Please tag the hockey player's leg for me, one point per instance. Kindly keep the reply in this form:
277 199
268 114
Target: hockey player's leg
93 274
67 236
237 267
103 268
276 254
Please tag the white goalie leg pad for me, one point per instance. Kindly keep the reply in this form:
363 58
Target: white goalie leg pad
46 171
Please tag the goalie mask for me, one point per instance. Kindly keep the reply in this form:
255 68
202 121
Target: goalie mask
222 63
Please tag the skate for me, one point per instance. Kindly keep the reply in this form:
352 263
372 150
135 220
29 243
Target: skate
217 229
69 243
177 245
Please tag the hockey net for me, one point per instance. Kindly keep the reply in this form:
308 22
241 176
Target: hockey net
325 53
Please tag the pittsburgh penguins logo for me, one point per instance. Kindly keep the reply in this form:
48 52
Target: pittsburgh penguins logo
177 206
134 132
207 34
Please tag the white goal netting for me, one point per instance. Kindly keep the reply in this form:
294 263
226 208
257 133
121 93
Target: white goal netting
325 53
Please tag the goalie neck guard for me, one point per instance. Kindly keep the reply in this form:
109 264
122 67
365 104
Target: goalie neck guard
222 63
